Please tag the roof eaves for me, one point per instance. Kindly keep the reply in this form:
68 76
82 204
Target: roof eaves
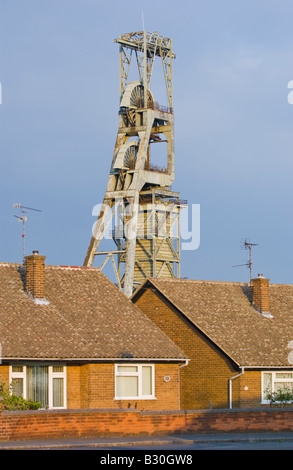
267 367
99 359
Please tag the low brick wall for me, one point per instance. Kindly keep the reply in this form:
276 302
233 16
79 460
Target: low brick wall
29 425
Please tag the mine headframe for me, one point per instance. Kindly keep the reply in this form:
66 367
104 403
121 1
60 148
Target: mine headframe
140 212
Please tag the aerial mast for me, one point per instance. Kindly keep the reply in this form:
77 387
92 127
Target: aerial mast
23 219
247 245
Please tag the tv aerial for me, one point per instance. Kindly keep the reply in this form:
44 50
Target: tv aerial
23 219
247 245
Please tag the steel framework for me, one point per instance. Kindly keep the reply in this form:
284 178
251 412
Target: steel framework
143 211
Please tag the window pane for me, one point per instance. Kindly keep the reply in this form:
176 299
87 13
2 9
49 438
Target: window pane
17 368
57 368
283 386
37 384
17 387
58 393
283 375
146 380
127 369
267 383
127 386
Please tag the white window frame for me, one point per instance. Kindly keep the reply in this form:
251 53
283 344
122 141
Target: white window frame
18 375
57 375
138 374
51 375
274 379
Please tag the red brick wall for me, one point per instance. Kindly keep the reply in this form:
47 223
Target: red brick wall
30 425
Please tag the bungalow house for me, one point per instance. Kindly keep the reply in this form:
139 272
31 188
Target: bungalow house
70 339
239 338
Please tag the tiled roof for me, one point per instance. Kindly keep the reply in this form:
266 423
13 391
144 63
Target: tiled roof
224 313
86 317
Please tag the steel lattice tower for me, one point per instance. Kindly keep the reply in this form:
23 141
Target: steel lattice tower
138 195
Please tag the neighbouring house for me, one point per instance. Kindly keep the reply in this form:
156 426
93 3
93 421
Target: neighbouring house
239 338
70 339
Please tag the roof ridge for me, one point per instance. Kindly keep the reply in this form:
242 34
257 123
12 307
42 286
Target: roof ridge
69 267
200 281
4 264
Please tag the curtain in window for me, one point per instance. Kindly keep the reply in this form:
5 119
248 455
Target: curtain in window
283 375
37 384
58 396
146 380
134 381
267 384
127 386
283 386
17 386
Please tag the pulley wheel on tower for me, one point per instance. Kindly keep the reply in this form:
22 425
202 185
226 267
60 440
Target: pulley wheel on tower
133 99
130 157
126 156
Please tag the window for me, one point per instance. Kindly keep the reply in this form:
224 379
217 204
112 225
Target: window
272 382
45 384
134 381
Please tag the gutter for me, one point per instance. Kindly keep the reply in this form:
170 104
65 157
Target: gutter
180 367
230 386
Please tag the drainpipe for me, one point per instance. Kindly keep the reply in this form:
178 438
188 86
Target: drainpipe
180 367
230 386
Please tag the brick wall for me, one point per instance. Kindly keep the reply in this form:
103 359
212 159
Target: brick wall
35 275
204 382
249 390
261 294
93 386
30 425
4 374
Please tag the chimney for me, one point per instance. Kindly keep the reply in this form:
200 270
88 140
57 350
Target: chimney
261 295
35 275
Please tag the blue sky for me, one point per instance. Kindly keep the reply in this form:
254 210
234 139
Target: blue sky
59 71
